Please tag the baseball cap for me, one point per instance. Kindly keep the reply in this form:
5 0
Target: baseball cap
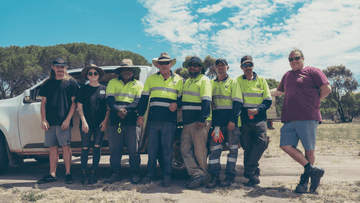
59 62
246 58
222 60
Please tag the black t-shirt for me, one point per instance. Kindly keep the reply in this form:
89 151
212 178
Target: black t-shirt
94 103
58 95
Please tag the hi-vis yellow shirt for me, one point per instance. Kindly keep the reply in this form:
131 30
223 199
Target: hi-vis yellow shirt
196 99
227 102
125 95
161 93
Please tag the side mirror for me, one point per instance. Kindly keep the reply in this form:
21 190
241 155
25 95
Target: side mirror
27 96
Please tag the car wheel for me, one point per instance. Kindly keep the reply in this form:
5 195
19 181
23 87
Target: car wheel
4 159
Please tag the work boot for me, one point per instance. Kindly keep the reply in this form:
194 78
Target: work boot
199 181
166 182
315 173
148 179
113 178
253 180
92 178
214 182
227 182
302 187
135 177
83 178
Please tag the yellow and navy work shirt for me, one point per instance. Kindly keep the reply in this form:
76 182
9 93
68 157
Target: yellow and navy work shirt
196 99
123 96
227 101
161 93
256 94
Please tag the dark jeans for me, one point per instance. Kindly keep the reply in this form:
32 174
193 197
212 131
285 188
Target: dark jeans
85 142
253 140
166 131
231 139
117 139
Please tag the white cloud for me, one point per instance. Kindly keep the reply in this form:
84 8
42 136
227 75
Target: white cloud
325 30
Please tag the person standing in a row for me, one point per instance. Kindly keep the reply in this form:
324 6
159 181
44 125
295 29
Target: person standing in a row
92 109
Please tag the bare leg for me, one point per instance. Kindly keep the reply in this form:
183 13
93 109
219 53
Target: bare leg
296 154
310 156
67 158
53 159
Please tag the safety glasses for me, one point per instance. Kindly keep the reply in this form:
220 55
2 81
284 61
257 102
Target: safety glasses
245 65
193 65
296 58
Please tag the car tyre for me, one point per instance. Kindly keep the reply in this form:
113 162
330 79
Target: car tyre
4 159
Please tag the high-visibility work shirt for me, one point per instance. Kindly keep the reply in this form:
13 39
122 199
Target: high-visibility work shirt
161 93
227 101
123 96
256 94
196 99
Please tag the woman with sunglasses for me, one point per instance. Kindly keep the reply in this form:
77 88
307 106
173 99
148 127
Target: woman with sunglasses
92 108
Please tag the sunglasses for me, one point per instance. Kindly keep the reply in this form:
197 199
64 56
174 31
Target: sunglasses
193 65
91 73
247 65
296 58
163 62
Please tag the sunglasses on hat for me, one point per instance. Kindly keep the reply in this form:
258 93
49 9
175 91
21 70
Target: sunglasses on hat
91 73
163 62
296 58
247 65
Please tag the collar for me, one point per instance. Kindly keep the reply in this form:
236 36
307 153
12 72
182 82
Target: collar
254 78
197 77
227 76
171 75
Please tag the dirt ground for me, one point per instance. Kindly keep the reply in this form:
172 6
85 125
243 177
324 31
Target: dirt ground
279 176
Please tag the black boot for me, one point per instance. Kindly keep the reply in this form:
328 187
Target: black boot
135 177
316 174
302 187
214 182
113 178
92 178
83 177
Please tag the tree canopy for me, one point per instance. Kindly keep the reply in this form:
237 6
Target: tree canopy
22 67
342 97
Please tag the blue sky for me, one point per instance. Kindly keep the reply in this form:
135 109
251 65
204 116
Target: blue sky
327 31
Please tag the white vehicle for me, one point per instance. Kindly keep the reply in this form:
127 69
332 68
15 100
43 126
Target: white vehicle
21 135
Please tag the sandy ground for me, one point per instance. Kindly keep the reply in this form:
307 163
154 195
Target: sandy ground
279 176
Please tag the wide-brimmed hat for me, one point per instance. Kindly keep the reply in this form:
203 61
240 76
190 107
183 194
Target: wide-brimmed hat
127 63
163 57
92 66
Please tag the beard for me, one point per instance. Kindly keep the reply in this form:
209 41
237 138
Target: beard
193 73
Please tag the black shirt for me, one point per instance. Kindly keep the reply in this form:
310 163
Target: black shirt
94 103
58 95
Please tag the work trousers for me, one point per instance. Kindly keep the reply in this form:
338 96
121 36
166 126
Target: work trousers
166 131
193 148
231 139
253 140
119 136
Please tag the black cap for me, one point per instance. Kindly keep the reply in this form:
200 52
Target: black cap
222 60
194 59
246 58
59 62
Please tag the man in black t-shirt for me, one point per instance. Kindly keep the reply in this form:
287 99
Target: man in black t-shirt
57 108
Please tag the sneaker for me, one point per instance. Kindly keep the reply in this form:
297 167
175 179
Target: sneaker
69 179
199 181
227 182
113 178
148 179
302 187
92 178
315 173
47 179
166 182
83 178
214 182
135 177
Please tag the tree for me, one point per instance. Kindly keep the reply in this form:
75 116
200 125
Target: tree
343 84
22 67
279 100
